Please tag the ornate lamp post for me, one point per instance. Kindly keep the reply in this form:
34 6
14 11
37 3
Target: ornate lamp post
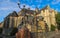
19 5
35 23
23 19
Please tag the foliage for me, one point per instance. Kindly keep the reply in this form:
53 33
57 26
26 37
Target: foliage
1 30
13 32
53 28
58 20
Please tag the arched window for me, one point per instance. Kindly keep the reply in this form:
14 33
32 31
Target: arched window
7 24
12 25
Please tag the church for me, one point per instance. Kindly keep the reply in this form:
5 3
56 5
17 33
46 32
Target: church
35 20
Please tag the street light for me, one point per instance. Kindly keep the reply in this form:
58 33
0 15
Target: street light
19 5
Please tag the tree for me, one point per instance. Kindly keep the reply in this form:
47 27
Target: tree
58 20
13 32
52 27
1 30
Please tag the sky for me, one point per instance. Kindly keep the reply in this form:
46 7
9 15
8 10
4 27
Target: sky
8 6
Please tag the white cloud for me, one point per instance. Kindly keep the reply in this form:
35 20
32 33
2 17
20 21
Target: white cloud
8 5
55 1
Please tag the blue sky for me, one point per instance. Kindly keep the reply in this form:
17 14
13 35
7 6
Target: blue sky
8 6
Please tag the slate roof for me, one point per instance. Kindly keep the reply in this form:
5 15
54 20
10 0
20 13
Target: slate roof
26 11
13 14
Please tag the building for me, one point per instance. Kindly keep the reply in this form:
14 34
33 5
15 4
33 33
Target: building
1 25
31 18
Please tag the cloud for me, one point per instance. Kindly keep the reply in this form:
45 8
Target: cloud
55 1
8 5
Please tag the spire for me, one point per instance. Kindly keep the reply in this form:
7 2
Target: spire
48 6
36 9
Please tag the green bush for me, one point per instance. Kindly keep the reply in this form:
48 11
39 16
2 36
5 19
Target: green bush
13 32
1 30
58 26
58 20
53 28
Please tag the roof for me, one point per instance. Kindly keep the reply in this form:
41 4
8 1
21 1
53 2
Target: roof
26 11
13 14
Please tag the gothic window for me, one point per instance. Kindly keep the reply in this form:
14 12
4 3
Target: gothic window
4 23
12 25
8 23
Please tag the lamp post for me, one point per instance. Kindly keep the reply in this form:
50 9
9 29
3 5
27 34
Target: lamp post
35 23
22 8
19 5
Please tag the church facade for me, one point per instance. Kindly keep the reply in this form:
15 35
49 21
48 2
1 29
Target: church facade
31 18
